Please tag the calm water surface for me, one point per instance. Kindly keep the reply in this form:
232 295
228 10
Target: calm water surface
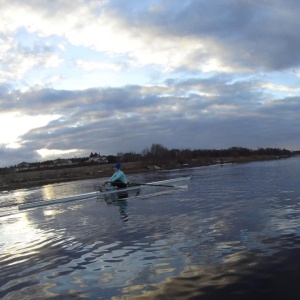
233 234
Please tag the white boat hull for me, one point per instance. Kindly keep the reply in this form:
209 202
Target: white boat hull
101 193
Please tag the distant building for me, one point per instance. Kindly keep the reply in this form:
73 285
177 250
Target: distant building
23 166
95 157
62 162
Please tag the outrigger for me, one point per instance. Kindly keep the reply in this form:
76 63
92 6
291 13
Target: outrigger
133 187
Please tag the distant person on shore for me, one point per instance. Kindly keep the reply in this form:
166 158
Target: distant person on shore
118 179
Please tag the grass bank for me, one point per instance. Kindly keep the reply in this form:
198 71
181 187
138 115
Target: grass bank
20 180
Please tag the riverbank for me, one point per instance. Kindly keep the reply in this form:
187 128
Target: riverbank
22 180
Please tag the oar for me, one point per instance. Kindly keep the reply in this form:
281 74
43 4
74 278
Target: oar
162 185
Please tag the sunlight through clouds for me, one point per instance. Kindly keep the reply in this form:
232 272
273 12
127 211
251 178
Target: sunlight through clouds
16 125
54 152
94 65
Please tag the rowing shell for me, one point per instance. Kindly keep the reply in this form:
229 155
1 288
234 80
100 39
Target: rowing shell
76 197
98 193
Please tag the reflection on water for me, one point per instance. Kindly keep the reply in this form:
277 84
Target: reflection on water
121 204
243 275
234 234
49 192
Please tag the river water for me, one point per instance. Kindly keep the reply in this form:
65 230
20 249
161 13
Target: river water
233 234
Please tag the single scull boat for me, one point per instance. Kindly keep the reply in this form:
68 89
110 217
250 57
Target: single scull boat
137 187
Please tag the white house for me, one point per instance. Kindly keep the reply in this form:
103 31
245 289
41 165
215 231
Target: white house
95 157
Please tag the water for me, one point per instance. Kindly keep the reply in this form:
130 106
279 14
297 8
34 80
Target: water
234 234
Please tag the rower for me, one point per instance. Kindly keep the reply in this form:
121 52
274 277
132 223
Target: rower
118 179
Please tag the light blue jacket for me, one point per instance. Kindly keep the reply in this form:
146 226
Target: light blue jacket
118 175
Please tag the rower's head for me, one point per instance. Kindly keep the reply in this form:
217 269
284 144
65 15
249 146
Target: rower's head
118 166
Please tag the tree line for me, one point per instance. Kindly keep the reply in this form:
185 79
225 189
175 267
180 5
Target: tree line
159 153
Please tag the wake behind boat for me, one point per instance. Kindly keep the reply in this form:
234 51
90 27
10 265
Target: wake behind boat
133 187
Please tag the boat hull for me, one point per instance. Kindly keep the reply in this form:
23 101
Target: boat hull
118 193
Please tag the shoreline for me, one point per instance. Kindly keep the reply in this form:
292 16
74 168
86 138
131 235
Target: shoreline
25 180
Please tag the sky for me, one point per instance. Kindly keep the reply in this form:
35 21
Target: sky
116 76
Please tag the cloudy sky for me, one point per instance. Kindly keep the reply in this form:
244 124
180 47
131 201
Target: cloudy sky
110 76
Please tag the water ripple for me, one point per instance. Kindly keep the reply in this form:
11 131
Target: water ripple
234 233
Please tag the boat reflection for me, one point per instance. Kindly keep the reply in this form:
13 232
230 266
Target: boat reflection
121 202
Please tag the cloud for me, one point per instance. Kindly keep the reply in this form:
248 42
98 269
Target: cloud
174 35
120 75
111 120
197 35
16 61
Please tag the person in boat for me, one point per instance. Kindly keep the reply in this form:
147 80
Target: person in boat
118 179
